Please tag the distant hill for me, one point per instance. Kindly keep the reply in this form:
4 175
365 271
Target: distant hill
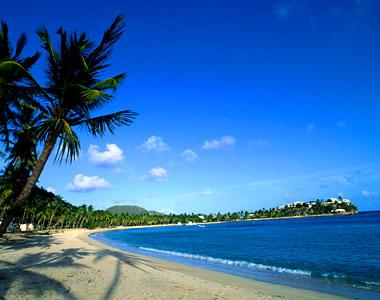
132 210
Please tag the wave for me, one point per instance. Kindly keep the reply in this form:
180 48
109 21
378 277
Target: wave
339 277
236 263
261 267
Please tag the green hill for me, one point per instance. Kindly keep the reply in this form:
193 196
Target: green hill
132 210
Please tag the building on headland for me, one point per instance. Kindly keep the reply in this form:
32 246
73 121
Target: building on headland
331 201
295 204
318 207
337 201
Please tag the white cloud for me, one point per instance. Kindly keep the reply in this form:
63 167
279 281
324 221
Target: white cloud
112 155
225 141
158 173
207 192
50 189
310 127
259 143
155 143
82 183
189 155
368 194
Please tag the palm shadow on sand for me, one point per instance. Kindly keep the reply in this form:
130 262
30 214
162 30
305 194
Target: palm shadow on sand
24 276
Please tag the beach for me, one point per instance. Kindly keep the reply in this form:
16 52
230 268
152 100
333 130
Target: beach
71 265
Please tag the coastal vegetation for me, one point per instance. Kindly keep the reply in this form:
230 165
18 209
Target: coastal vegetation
50 115
47 211
311 208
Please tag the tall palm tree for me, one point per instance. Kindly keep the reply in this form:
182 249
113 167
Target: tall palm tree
13 79
73 93
16 116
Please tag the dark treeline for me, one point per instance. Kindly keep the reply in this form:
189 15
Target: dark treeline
48 211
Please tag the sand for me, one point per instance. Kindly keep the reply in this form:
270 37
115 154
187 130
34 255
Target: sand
70 265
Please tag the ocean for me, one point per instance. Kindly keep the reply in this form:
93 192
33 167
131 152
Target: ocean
338 255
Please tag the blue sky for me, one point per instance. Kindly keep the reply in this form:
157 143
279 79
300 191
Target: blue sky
243 104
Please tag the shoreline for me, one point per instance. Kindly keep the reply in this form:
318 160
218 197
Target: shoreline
303 217
122 227
71 265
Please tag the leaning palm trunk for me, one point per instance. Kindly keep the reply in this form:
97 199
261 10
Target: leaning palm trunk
32 180
81 223
52 216
23 216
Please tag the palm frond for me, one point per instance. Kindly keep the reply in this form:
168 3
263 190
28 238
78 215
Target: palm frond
5 48
98 126
69 143
8 64
111 83
46 42
46 127
29 61
90 95
21 42
103 51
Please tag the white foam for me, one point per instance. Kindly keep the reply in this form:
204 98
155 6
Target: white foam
231 262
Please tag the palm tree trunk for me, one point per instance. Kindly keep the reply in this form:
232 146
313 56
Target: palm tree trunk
34 212
52 216
43 224
81 223
32 180
23 216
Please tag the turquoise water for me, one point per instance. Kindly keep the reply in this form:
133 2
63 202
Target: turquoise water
338 255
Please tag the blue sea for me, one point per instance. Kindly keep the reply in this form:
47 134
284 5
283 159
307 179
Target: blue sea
339 255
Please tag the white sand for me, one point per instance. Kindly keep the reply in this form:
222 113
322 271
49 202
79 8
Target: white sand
70 265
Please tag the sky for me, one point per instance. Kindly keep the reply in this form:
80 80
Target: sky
242 104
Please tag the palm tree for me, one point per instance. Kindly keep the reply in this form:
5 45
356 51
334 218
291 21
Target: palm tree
73 93
22 154
13 79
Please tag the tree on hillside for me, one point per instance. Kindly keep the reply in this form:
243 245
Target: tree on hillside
74 91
